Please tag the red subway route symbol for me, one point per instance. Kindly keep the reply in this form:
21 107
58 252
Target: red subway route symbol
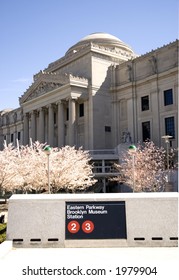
73 226
87 226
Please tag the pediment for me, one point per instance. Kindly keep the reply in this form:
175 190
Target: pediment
43 83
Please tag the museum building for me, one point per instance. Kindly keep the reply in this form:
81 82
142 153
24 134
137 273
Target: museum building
100 95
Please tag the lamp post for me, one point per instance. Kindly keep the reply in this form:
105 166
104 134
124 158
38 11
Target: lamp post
132 151
166 138
47 151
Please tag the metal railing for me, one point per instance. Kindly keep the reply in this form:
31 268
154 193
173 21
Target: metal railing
103 152
104 169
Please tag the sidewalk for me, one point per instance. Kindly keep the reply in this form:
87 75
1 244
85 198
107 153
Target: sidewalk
22 263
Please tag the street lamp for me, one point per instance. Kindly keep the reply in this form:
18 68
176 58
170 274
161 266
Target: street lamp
47 151
132 151
166 138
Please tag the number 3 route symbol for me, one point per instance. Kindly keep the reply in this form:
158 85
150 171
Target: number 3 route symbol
87 226
73 226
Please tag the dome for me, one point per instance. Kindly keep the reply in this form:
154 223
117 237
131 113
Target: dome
101 39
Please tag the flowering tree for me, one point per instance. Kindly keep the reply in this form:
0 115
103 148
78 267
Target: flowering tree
149 163
8 171
31 166
70 170
25 168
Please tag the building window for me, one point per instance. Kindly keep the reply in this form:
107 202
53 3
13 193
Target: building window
145 103
81 110
97 166
107 129
146 131
19 135
168 97
5 138
170 126
12 138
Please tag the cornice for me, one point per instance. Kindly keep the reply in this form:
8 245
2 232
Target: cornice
67 59
45 82
112 52
159 49
78 81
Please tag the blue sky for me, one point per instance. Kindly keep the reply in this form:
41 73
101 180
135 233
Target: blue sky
35 33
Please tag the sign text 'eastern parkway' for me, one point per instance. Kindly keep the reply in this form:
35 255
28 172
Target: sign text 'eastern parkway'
96 220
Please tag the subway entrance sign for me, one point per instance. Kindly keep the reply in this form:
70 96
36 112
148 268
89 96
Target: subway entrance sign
95 220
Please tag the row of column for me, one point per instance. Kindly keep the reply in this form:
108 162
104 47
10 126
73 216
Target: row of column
39 134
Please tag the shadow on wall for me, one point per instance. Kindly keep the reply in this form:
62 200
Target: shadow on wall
120 188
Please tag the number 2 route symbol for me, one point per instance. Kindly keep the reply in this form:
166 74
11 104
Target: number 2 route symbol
87 226
73 226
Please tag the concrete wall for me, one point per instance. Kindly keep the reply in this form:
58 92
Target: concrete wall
39 220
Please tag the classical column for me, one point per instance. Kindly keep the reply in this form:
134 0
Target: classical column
8 137
131 119
61 130
41 132
33 126
90 126
1 138
50 125
86 126
26 129
72 117
115 123
15 135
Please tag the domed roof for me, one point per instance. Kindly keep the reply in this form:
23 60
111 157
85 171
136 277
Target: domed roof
101 39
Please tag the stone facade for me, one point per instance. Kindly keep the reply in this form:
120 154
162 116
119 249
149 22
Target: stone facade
145 97
99 95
